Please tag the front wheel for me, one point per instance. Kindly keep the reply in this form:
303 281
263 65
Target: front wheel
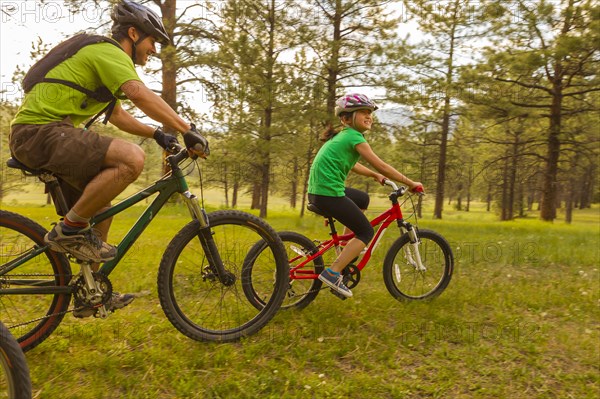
14 372
201 304
405 279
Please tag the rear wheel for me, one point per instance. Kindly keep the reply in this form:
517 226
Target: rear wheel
197 302
30 317
15 382
402 275
300 291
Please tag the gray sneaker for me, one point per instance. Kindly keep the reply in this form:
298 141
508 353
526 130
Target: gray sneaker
335 281
117 301
86 245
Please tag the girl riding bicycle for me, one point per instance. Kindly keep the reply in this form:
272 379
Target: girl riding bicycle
326 189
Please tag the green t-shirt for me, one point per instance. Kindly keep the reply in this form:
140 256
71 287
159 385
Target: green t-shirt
95 65
333 163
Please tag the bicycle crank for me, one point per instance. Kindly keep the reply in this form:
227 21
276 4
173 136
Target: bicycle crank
351 276
92 291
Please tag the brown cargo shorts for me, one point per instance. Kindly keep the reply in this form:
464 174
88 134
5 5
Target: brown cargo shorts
73 154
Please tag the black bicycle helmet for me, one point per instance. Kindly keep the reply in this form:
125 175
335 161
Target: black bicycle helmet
128 13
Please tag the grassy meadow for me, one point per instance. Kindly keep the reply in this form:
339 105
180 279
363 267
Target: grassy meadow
520 319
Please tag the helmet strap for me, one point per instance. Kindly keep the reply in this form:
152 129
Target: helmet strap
352 123
142 36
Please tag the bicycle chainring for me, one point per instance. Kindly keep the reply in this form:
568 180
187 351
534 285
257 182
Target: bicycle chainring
351 276
87 299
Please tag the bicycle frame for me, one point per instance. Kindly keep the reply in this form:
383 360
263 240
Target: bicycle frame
385 220
165 187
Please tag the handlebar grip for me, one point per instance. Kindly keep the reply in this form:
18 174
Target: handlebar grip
201 148
390 183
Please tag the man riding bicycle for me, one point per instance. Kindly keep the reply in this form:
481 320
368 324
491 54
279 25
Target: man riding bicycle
94 169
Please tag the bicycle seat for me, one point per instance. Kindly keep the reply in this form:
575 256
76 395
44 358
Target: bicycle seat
313 208
16 164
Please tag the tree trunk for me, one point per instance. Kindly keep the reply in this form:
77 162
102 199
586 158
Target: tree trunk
441 175
169 68
569 206
504 197
333 66
549 190
264 188
226 184
234 194
294 184
256 196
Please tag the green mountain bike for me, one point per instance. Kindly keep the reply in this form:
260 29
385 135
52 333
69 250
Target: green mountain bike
199 277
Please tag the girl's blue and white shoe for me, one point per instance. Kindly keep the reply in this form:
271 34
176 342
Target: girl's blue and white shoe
335 281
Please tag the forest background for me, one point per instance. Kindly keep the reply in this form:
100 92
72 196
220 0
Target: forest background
493 101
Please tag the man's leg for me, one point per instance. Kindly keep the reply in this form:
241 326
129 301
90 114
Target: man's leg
122 164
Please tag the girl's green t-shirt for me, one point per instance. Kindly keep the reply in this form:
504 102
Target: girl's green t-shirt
93 66
333 162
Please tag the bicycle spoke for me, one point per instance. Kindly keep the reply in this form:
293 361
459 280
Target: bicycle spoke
406 279
193 295
33 295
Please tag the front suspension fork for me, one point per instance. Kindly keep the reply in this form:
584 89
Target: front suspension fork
413 255
205 235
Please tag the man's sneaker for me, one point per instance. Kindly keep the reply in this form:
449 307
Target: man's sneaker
335 281
85 245
117 301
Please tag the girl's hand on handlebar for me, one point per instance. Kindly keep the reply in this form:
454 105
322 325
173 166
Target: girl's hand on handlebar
418 188
380 178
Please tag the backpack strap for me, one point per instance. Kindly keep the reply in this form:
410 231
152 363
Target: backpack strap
62 52
108 110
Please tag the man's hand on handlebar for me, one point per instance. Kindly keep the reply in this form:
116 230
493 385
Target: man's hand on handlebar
165 140
196 144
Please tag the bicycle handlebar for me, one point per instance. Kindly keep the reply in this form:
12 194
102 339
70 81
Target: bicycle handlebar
179 153
400 190
388 182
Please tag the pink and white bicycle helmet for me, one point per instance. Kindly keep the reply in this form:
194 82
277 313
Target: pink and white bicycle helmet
353 102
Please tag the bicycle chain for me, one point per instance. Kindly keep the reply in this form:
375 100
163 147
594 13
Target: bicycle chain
48 315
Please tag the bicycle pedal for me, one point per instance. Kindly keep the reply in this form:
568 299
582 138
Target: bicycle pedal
334 292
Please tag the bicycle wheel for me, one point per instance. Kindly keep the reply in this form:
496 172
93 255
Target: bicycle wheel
193 298
15 382
31 317
403 278
258 278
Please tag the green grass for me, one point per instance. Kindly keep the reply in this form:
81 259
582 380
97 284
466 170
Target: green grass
520 319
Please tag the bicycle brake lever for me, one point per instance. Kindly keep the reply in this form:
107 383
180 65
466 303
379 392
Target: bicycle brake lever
174 149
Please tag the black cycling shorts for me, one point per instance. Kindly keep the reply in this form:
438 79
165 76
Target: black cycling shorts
348 211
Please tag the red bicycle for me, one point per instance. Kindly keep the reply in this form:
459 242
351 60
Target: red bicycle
417 266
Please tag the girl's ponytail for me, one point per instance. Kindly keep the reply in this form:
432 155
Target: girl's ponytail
329 132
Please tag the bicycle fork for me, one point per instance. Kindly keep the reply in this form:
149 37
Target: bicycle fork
413 255
205 235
